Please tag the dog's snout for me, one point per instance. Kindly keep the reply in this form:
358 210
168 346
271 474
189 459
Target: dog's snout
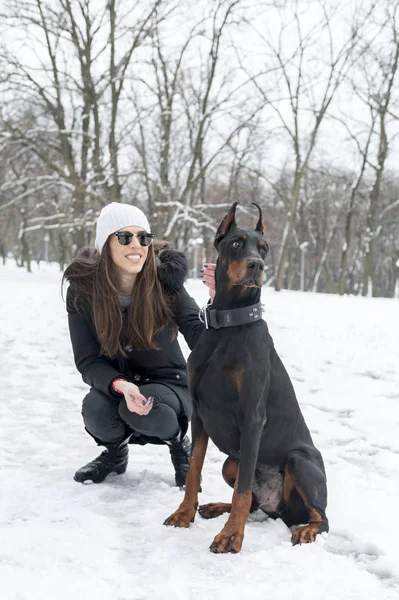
255 265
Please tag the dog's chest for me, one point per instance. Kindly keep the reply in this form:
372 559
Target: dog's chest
219 371
223 430
217 403
268 487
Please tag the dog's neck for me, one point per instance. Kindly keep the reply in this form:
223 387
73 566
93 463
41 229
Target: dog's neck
228 297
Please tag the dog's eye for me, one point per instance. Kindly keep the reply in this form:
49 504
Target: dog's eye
236 244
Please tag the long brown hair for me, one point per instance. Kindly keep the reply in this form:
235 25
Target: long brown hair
95 280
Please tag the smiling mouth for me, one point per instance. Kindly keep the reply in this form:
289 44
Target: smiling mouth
134 257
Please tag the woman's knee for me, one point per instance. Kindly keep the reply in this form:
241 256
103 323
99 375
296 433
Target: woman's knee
96 404
101 417
161 421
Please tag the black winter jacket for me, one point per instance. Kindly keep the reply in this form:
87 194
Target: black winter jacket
166 365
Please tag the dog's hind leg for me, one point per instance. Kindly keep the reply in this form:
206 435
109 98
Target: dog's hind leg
215 509
230 471
305 496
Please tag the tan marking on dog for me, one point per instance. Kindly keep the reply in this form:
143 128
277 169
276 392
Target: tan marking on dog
193 481
185 514
307 533
214 509
230 471
237 376
289 485
237 271
240 507
228 221
231 537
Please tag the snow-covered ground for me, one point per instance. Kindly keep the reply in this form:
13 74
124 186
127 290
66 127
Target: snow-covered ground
61 540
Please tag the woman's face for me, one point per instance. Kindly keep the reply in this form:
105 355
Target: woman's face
130 259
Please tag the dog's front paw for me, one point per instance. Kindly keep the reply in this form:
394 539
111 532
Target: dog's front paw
182 517
228 540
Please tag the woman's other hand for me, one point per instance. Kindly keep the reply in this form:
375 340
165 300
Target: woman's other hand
135 401
208 277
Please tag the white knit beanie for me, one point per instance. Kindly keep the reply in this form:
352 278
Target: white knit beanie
115 216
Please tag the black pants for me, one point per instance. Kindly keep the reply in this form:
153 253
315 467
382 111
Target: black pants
109 420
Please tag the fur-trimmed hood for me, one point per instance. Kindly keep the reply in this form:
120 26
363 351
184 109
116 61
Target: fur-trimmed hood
172 267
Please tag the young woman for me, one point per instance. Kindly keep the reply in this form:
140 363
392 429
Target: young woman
126 302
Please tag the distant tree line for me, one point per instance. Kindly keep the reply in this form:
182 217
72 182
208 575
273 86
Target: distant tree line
184 108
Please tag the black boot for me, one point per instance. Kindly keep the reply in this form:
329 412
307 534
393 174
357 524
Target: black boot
113 460
180 451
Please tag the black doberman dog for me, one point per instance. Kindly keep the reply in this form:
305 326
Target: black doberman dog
245 402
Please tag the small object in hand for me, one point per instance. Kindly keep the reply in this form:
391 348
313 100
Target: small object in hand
144 402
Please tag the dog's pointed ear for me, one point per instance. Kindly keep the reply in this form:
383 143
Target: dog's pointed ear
228 223
259 226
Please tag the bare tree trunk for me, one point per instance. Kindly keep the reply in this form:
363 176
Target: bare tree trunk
349 214
25 253
72 100
369 282
292 68
325 253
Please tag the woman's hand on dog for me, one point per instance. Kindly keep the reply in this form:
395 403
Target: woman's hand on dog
208 277
135 401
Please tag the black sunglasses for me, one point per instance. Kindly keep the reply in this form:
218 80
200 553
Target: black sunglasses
125 237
